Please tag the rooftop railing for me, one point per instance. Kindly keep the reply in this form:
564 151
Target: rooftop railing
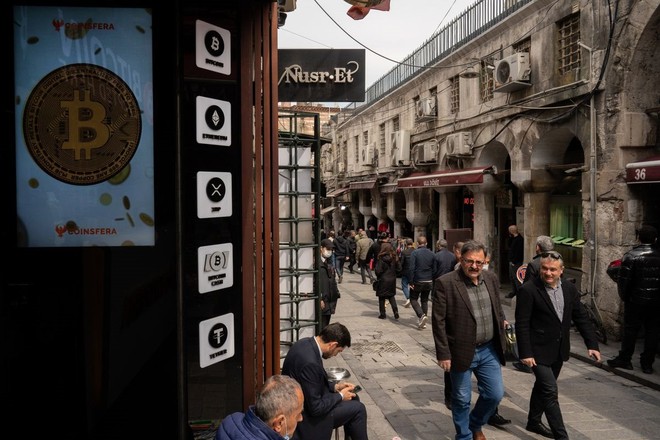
476 19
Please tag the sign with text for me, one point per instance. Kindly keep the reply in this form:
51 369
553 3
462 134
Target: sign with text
321 75
84 124
216 339
215 267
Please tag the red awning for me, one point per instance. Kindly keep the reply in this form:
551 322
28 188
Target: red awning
467 176
337 192
647 171
365 184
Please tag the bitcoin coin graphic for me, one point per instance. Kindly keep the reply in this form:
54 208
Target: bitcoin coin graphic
82 124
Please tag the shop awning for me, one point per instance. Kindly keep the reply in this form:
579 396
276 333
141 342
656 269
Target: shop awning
647 171
365 184
388 188
324 211
466 176
337 192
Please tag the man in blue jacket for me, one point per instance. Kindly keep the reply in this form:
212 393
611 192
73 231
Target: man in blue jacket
274 416
422 263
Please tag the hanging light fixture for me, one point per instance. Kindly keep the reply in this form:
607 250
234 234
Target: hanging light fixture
470 72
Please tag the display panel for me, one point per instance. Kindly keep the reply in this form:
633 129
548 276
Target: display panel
84 126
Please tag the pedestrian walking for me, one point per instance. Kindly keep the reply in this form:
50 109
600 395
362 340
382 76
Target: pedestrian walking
639 288
546 308
328 290
386 268
352 245
364 243
421 268
468 331
515 256
342 250
533 269
406 274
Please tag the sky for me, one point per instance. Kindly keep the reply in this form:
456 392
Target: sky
384 35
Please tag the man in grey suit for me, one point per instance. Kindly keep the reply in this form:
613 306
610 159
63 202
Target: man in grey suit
468 330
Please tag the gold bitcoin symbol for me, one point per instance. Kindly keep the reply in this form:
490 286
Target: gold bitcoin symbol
86 128
82 124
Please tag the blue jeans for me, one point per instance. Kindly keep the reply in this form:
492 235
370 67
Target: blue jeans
488 371
405 286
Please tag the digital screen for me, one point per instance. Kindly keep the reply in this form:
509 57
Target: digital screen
84 126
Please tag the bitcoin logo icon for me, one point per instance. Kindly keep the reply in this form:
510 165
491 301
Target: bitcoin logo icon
82 124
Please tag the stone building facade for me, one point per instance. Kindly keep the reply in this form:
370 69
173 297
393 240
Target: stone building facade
539 113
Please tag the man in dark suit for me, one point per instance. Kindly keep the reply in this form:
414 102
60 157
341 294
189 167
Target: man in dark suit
544 311
468 330
328 405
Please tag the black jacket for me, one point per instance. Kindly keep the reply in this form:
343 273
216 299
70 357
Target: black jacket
639 276
539 331
342 248
328 289
386 270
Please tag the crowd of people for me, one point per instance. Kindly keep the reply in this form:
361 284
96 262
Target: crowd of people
468 329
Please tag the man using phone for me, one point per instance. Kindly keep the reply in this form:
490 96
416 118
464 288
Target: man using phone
328 405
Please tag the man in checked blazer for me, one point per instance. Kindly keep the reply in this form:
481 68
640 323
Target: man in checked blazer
468 330
545 307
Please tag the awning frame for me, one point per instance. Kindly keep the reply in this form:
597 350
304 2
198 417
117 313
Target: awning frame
466 176
337 192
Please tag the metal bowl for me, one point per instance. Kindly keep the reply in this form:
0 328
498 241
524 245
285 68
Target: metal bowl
337 373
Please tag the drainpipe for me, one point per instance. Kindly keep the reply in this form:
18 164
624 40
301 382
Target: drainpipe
593 165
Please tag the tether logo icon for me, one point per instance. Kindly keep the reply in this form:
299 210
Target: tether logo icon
82 124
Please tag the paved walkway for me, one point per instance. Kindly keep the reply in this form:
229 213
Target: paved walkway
403 386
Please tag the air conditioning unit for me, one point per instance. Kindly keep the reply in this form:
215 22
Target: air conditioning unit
341 167
368 156
425 109
512 73
400 148
459 144
426 153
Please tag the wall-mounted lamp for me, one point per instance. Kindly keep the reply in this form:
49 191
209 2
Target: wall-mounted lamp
469 73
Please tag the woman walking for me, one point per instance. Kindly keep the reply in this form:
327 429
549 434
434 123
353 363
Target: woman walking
386 268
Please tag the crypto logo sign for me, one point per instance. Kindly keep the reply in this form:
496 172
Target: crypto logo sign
82 124
213 45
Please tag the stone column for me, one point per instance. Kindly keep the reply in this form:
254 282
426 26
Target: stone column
447 218
365 206
537 185
537 219
396 204
418 203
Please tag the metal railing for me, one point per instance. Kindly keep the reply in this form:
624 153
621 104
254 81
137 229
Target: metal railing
476 19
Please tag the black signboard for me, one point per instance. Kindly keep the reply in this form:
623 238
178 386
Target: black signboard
321 75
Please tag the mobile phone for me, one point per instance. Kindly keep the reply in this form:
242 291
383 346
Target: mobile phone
357 389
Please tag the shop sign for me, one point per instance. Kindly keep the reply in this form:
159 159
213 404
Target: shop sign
321 75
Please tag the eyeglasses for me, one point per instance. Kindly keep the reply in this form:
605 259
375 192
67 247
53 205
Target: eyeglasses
552 254
478 263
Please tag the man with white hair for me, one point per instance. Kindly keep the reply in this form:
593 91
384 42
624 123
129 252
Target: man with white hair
543 244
